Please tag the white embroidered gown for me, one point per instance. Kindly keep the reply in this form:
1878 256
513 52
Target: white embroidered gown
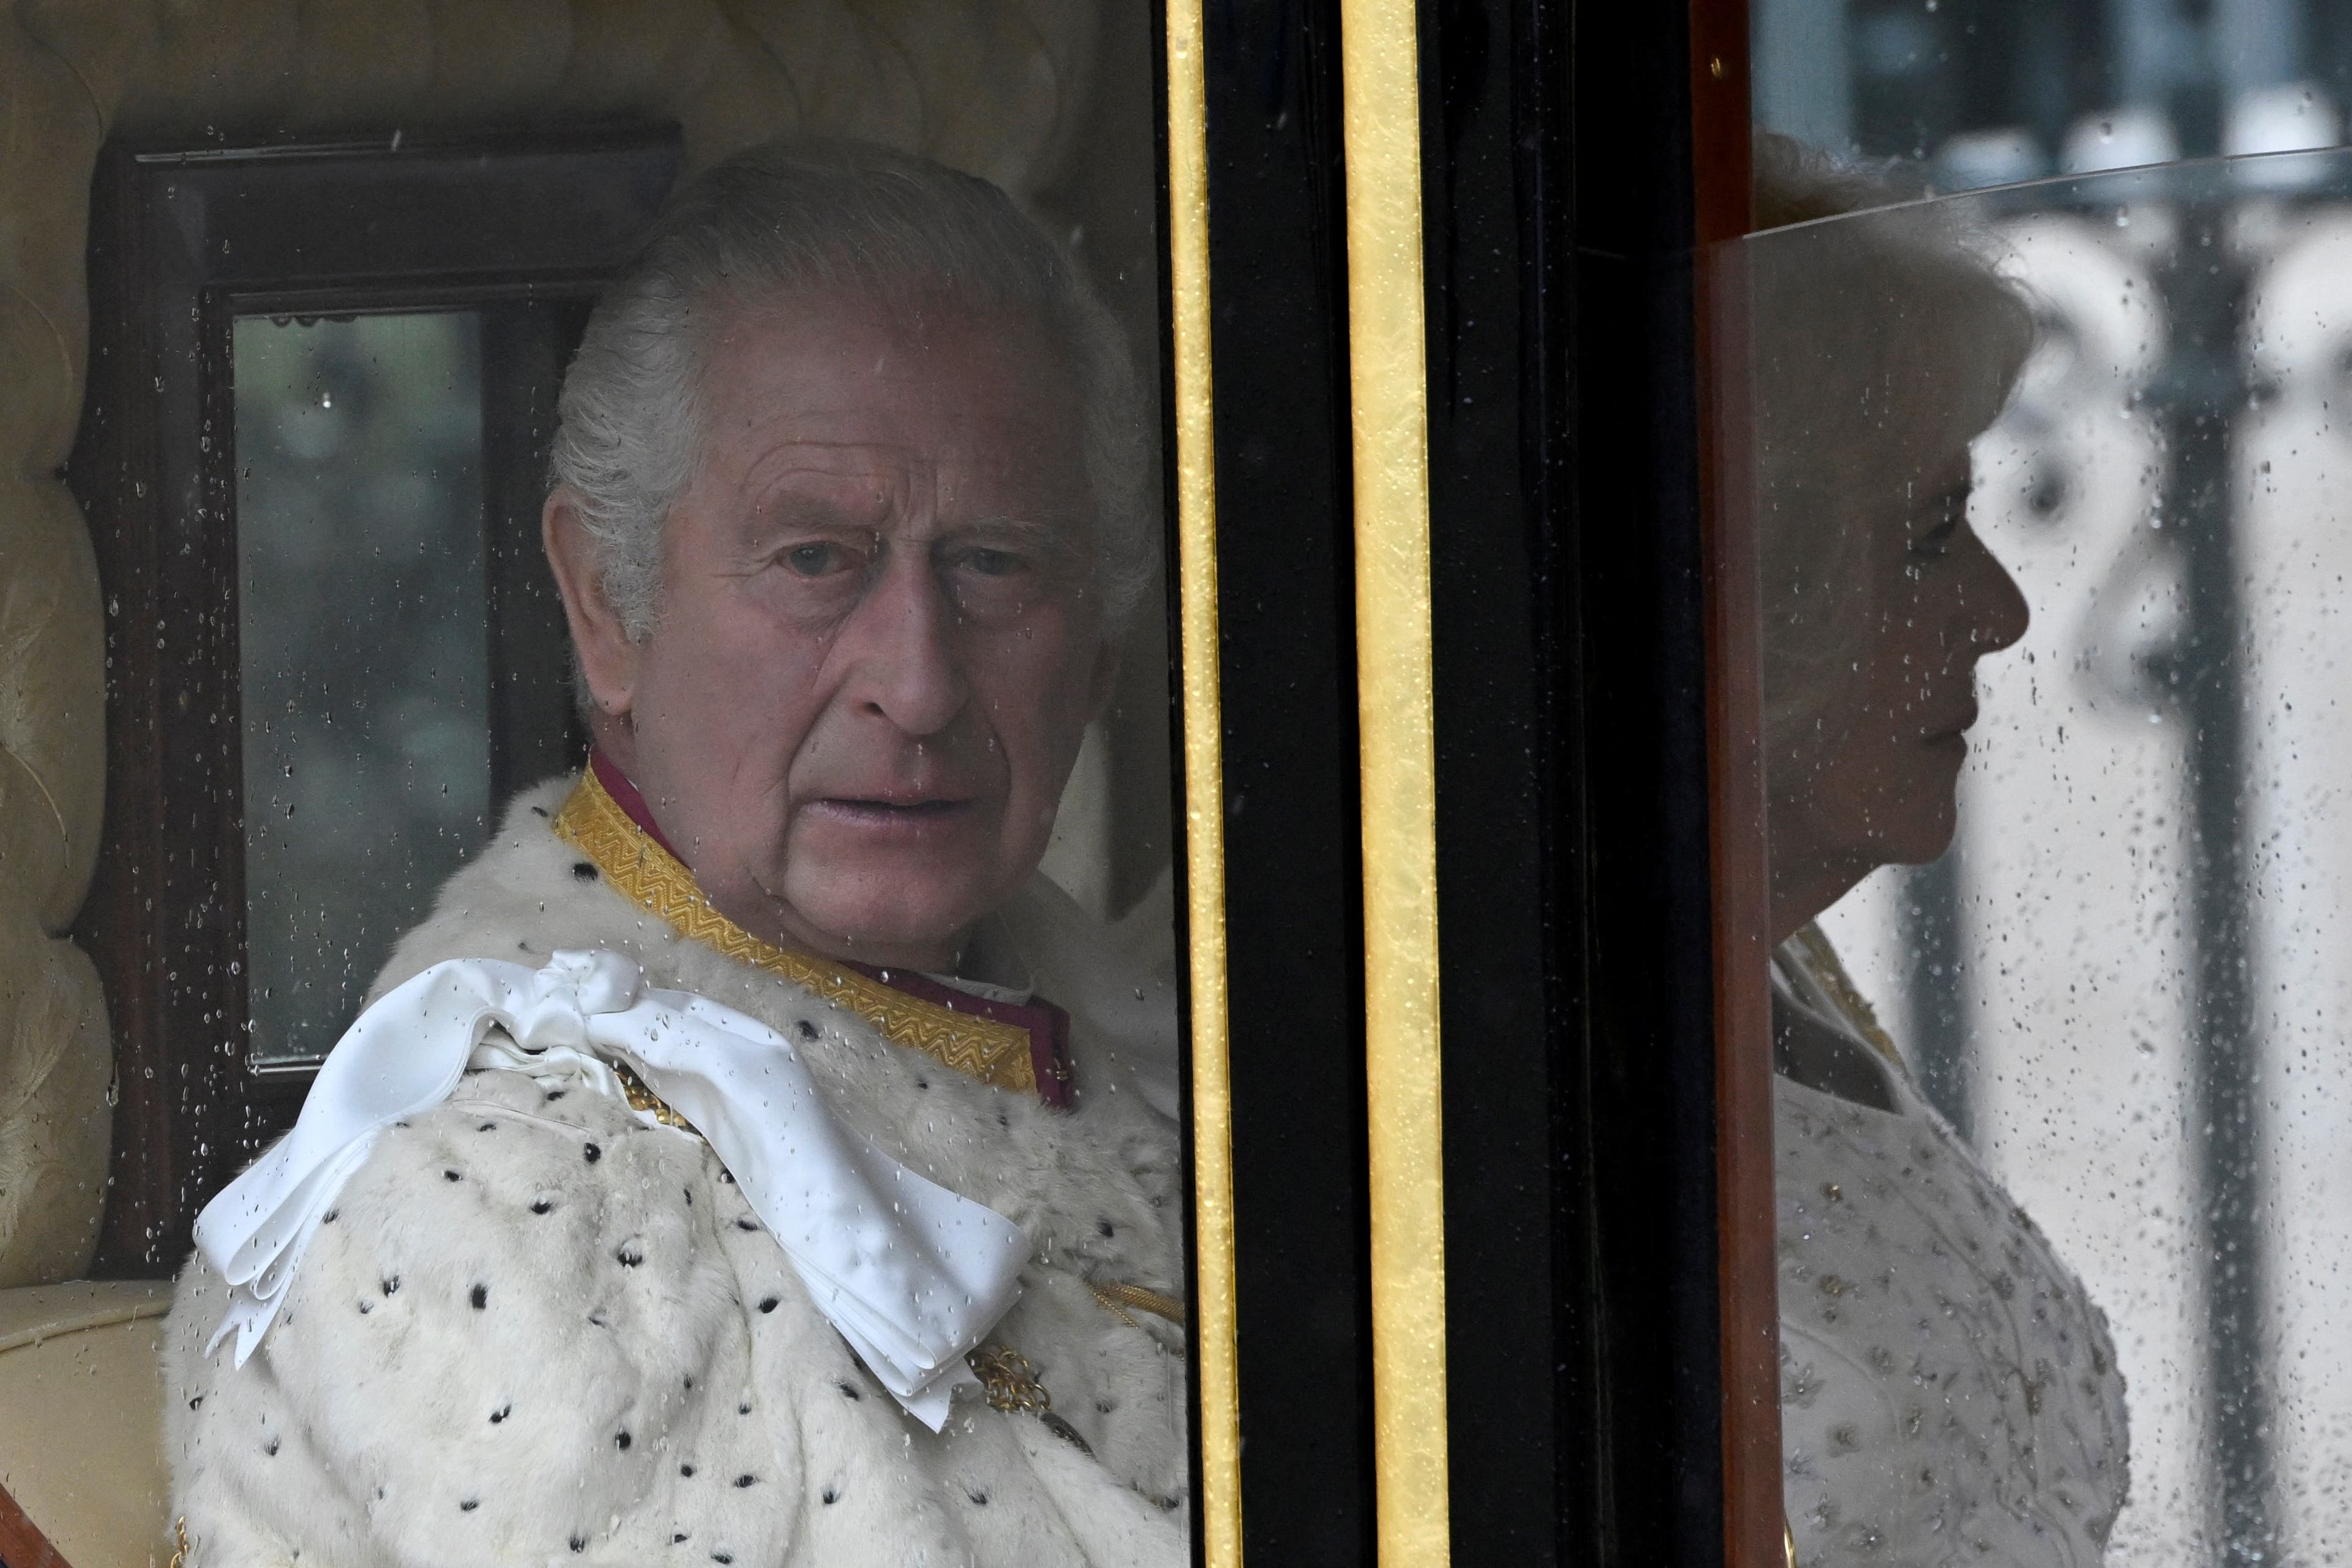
1949 1395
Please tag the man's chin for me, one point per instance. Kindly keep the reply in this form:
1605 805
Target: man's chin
886 919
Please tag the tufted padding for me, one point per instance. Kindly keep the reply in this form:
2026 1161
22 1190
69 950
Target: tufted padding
996 87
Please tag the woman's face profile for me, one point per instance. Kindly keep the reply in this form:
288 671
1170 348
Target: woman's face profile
1871 780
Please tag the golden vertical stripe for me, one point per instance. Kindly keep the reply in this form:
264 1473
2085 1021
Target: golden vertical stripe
1388 383
1204 790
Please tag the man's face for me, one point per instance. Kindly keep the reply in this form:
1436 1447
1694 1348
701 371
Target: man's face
878 643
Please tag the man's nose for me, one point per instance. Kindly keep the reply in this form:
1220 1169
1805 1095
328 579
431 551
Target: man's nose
899 646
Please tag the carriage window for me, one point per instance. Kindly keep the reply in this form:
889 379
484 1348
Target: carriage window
2048 482
366 713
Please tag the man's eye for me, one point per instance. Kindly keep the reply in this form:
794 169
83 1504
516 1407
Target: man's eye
814 559
993 563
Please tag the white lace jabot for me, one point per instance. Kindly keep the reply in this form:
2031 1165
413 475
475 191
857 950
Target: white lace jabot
912 1275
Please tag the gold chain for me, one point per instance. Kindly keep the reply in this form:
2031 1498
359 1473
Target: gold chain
1117 1300
1011 1386
650 876
1009 1379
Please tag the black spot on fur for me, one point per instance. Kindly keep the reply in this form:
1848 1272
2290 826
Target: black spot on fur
1103 1406
584 870
806 1029
591 1154
690 1379
1104 1227
328 1217
1003 1119
689 1195
469 1505
553 1095
539 811
679 1536
366 1307
451 1176
726 1175
978 1499
541 1205
500 1414
686 1469
270 1447
831 1496
722 1557
922 1083
742 1410
849 1391
597 1318
400 1124
745 1222
630 1255
392 1285
621 1440
480 1296
747 1480
199 1399
768 1305
578 1543
488 1127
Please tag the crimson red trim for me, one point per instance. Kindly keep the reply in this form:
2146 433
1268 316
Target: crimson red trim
1048 1025
625 795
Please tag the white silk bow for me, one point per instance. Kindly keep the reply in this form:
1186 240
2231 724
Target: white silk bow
911 1274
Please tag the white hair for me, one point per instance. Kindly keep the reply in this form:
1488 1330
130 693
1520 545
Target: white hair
796 215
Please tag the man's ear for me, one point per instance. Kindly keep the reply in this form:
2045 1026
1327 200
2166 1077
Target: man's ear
607 658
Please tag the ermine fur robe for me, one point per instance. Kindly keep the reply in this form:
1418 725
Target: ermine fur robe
540 1329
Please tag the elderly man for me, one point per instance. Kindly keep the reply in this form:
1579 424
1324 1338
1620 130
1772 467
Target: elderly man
710 1177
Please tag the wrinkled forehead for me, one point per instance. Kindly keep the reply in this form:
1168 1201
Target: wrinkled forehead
828 388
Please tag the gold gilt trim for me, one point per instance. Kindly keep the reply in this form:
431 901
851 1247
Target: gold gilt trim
1215 1358
650 876
1827 970
1388 385
1121 1300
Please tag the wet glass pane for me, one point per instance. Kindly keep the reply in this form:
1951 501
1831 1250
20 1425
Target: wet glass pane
775 1029
361 615
1965 94
2057 586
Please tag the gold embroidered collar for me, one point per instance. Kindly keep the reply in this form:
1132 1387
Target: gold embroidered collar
641 870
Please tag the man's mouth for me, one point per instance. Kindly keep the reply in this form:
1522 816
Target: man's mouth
877 811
